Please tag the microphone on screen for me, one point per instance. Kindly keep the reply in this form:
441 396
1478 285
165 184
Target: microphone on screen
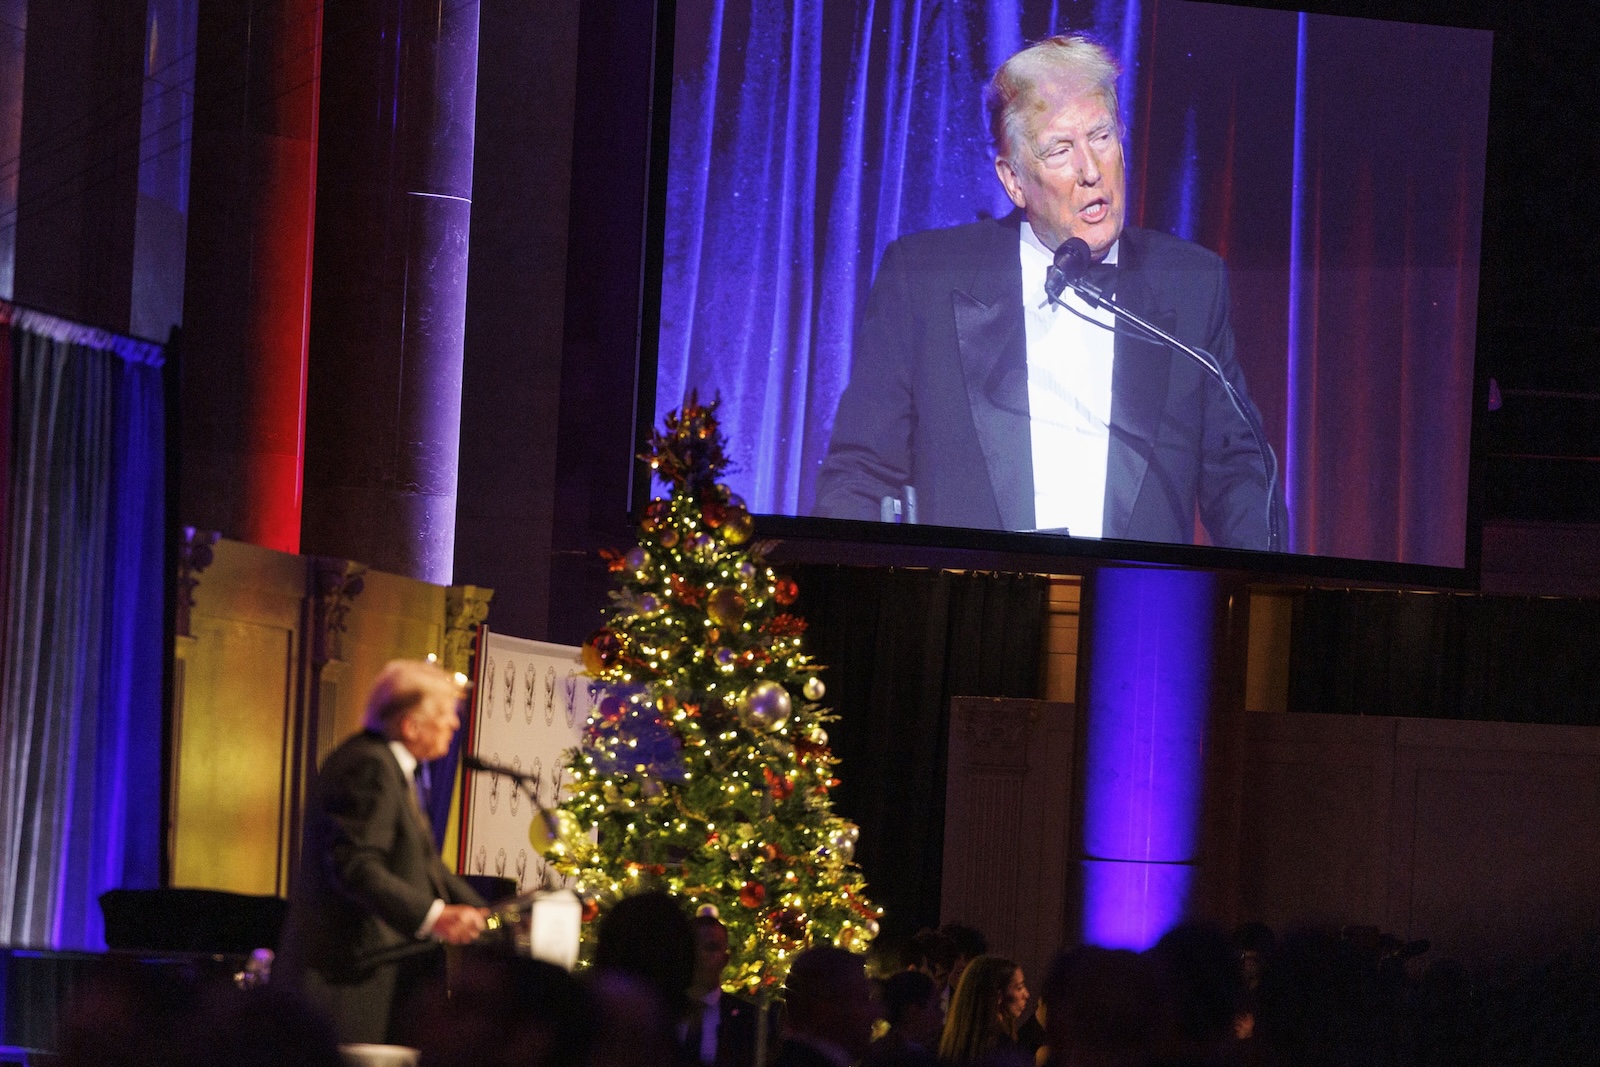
1071 263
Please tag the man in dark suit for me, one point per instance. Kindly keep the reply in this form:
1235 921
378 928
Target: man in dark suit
372 900
829 1010
976 401
722 1030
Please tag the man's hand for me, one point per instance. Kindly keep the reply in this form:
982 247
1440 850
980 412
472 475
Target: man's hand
459 924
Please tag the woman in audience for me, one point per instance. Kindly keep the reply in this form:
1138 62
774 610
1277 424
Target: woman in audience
984 1013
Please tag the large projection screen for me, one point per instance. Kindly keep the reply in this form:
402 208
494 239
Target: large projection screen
1335 164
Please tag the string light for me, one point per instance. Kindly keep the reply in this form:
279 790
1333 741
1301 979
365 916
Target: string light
711 801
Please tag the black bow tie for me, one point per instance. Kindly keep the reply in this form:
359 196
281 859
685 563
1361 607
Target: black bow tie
1102 276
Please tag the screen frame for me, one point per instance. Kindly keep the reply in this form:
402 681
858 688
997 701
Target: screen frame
816 539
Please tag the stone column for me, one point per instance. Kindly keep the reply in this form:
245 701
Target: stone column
394 187
247 287
78 172
1158 661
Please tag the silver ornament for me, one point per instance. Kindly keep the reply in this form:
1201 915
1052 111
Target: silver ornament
766 705
814 690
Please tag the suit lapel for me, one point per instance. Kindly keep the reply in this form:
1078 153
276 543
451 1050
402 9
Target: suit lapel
1139 378
993 349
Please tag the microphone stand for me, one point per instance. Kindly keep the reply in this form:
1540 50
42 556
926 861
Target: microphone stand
527 783
1094 297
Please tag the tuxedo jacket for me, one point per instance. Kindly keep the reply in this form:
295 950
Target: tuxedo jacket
938 395
369 872
738 1021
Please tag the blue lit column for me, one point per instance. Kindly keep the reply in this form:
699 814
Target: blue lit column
1152 634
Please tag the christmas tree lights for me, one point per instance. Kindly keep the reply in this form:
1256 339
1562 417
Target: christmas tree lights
705 768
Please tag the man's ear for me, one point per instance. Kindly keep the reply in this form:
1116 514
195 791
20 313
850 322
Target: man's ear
1011 181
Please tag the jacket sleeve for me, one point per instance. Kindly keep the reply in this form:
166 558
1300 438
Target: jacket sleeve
869 452
365 806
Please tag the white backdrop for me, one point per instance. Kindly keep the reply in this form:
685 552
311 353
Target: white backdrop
529 706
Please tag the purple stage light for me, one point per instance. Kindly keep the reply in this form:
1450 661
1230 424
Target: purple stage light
1149 693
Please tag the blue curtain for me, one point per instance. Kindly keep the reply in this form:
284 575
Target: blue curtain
80 668
806 137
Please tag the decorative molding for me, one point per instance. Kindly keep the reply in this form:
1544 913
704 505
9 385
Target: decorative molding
996 733
335 584
465 609
194 556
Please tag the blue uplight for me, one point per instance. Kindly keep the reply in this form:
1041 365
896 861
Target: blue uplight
1149 692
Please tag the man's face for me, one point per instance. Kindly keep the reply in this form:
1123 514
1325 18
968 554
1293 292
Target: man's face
1065 170
710 955
429 728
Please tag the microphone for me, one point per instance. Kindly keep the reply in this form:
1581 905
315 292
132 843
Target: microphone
473 763
1071 264
1071 267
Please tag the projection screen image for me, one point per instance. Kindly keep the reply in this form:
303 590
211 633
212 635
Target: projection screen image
1182 273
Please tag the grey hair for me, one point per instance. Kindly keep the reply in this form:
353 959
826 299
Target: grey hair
1016 92
403 685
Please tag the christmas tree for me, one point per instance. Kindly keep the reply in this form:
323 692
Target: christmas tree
705 767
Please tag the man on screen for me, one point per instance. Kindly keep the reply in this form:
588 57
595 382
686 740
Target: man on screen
976 401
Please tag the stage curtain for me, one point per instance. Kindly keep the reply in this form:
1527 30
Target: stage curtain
897 645
1335 163
80 670
1445 656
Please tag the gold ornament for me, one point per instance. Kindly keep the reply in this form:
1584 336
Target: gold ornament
725 607
814 690
554 832
737 527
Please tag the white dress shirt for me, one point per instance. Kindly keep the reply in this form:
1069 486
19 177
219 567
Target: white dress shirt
1069 398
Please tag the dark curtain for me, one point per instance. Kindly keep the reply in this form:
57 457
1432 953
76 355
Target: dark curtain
1335 163
897 645
1446 656
80 670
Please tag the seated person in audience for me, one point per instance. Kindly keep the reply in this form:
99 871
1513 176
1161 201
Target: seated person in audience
1106 1008
721 1028
911 1006
829 1010
968 943
934 954
984 1014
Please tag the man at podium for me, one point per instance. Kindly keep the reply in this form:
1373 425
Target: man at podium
372 899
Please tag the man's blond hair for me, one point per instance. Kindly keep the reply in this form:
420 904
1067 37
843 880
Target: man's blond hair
404 685
1022 87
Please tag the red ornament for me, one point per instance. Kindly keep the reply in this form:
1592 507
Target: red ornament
613 559
788 924
655 515
752 895
786 625
809 749
713 513
591 909
601 650
780 788
784 590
